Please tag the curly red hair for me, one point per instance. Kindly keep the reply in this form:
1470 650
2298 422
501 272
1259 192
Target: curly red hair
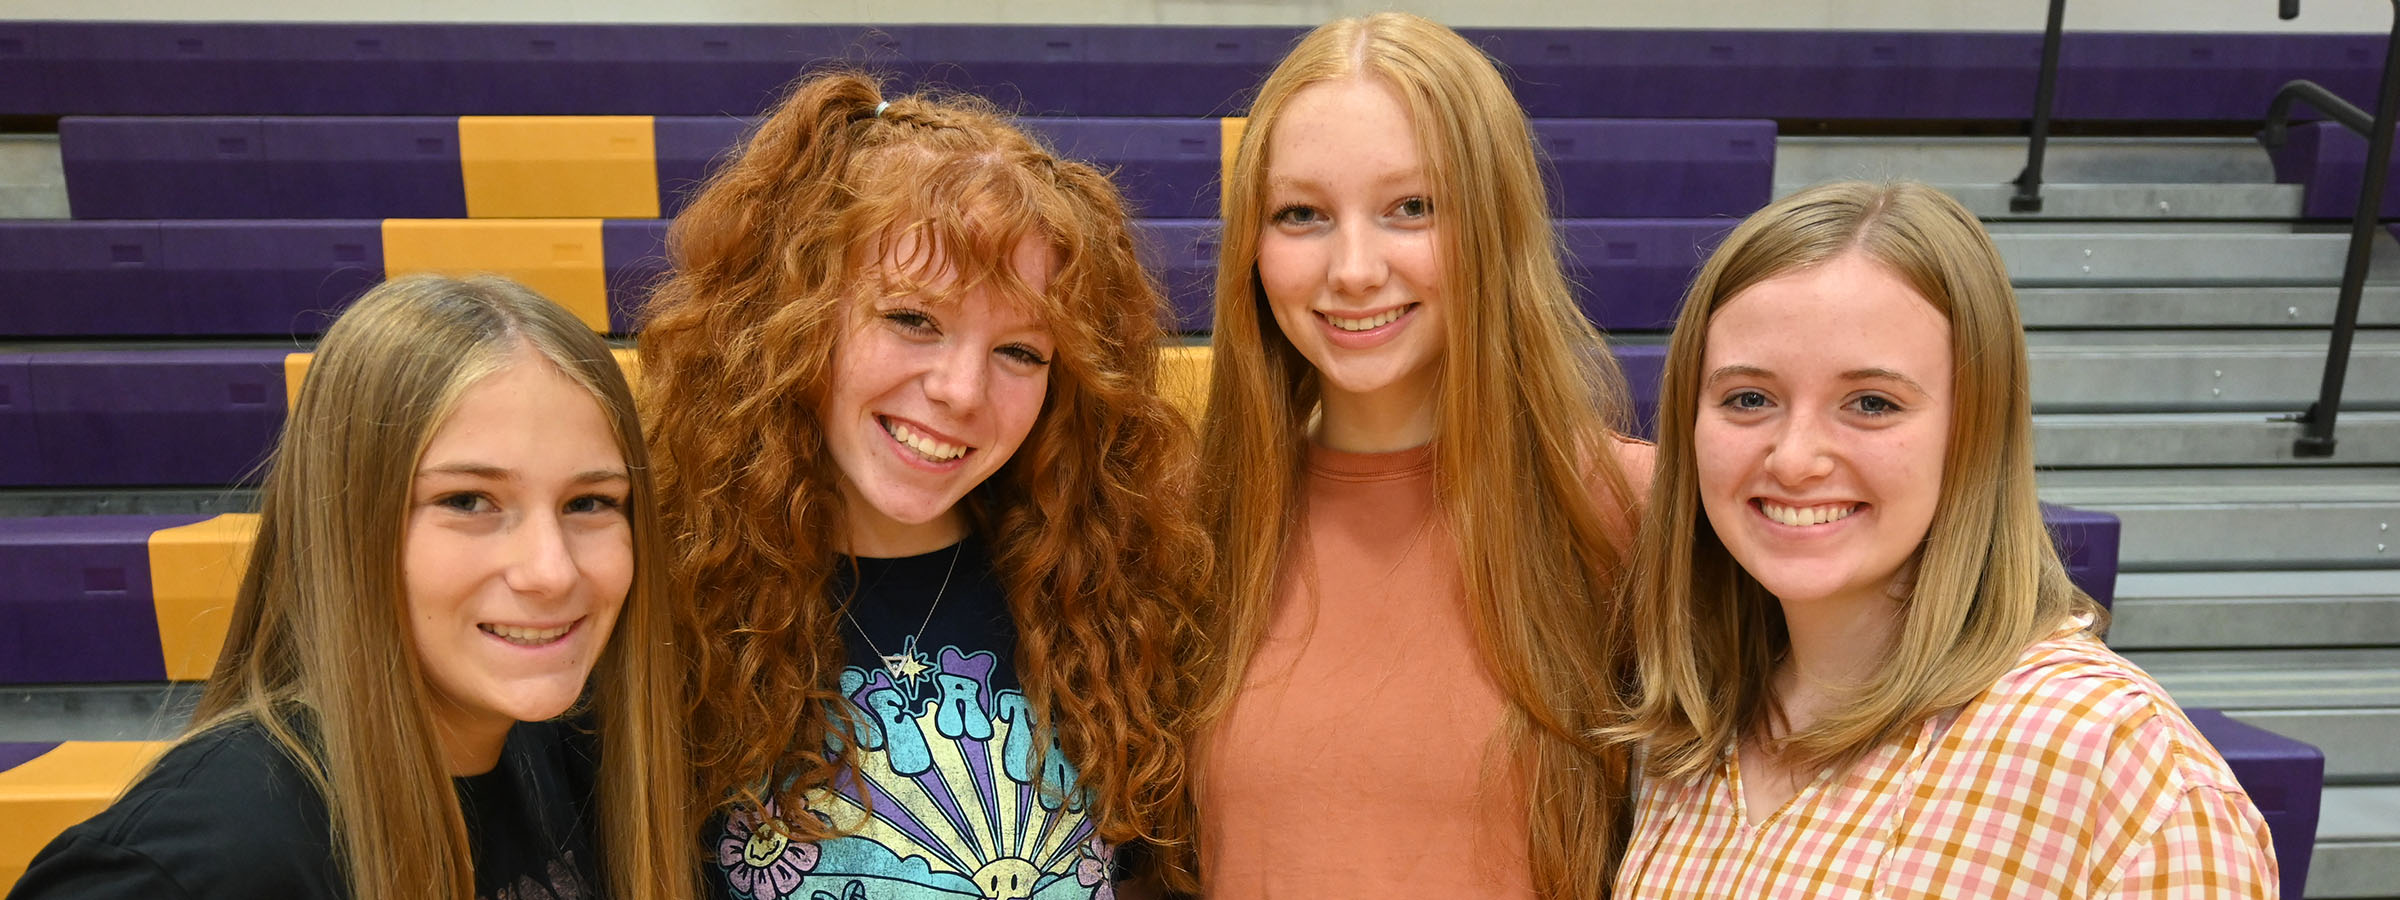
1089 522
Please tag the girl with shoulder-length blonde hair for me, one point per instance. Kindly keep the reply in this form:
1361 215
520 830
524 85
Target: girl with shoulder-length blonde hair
1863 668
1418 493
457 544
931 509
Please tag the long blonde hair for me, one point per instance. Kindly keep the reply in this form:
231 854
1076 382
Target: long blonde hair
1525 408
320 654
1988 581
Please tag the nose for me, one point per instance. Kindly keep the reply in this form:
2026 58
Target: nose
956 377
543 564
1802 451
1357 266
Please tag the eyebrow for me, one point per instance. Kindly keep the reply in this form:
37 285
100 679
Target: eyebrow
1385 180
1867 374
490 472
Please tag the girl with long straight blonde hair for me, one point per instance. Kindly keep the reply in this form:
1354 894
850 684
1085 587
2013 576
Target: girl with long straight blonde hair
931 509
456 529
1418 492
1863 668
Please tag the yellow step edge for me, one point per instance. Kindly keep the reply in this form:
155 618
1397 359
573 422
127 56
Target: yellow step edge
571 166
1229 136
295 370
195 573
53 791
561 258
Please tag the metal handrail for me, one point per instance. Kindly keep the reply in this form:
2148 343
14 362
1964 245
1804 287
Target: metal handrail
2028 198
2316 424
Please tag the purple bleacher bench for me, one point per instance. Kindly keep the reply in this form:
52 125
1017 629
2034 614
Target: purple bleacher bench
154 417
2328 161
2087 542
166 68
75 600
2285 778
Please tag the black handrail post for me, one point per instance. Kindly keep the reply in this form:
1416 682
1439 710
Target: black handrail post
2028 198
2316 437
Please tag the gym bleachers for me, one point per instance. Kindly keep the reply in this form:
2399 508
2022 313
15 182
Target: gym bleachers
232 185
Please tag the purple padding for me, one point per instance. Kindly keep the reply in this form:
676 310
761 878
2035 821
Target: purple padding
2284 778
81 278
1167 71
188 278
688 149
16 753
2087 544
1617 168
1167 168
154 168
75 603
2328 161
276 278
389 168
19 451
1631 273
154 417
1644 365
1182 255
633 255
151 68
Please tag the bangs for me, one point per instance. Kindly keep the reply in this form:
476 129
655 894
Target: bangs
935 228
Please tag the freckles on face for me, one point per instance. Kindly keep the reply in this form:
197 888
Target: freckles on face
517 553
930 396
1823 421
1348 251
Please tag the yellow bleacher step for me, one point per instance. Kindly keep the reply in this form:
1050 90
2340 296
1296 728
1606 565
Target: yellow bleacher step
48 793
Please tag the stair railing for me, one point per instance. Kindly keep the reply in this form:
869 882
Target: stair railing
2028 198
2316 424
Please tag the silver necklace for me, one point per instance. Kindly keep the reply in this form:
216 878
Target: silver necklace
904 663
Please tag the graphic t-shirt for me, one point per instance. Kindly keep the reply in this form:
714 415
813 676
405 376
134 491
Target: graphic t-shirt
951 799
228 814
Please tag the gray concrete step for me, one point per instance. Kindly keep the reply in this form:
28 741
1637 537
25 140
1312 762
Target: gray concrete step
2123 202
2358 843
2243 519
96 712
2199 610
1996 160
2358 743
2068 440
2160 371
33 182
2096 255
2200 307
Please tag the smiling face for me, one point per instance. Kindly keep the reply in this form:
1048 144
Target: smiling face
930 398
517 553
1350 256
1823 423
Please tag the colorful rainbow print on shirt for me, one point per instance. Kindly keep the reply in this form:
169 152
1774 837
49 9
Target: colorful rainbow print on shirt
945 807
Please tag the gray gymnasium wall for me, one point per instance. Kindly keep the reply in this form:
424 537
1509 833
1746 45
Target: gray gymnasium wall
1968 15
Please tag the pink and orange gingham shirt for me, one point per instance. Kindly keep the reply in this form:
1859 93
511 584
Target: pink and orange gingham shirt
2074 776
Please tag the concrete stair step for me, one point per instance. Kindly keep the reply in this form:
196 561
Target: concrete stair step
2357 742
33 182
1996 160
146 501
2358 843
2068 440
96 712
2201 307
2123 202
2089 255
2242 519
2184 370
2194 610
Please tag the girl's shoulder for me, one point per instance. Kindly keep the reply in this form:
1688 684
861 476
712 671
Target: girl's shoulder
225 813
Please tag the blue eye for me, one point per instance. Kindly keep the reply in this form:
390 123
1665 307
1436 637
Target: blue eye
1297 214
594 503
1876 405
465 502
1745 400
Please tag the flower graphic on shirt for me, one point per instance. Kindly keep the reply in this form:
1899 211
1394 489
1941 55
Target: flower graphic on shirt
759 857
1092 871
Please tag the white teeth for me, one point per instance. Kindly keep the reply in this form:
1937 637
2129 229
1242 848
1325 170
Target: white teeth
929 448
1378 321
1804 516
527 637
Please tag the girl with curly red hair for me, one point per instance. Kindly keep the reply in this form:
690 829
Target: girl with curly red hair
929 509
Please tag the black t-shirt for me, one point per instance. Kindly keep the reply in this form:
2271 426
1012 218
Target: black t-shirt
946 803
228 815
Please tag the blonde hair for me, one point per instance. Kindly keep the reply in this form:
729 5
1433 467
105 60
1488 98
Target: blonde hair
1525 411
319 652
1987 582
